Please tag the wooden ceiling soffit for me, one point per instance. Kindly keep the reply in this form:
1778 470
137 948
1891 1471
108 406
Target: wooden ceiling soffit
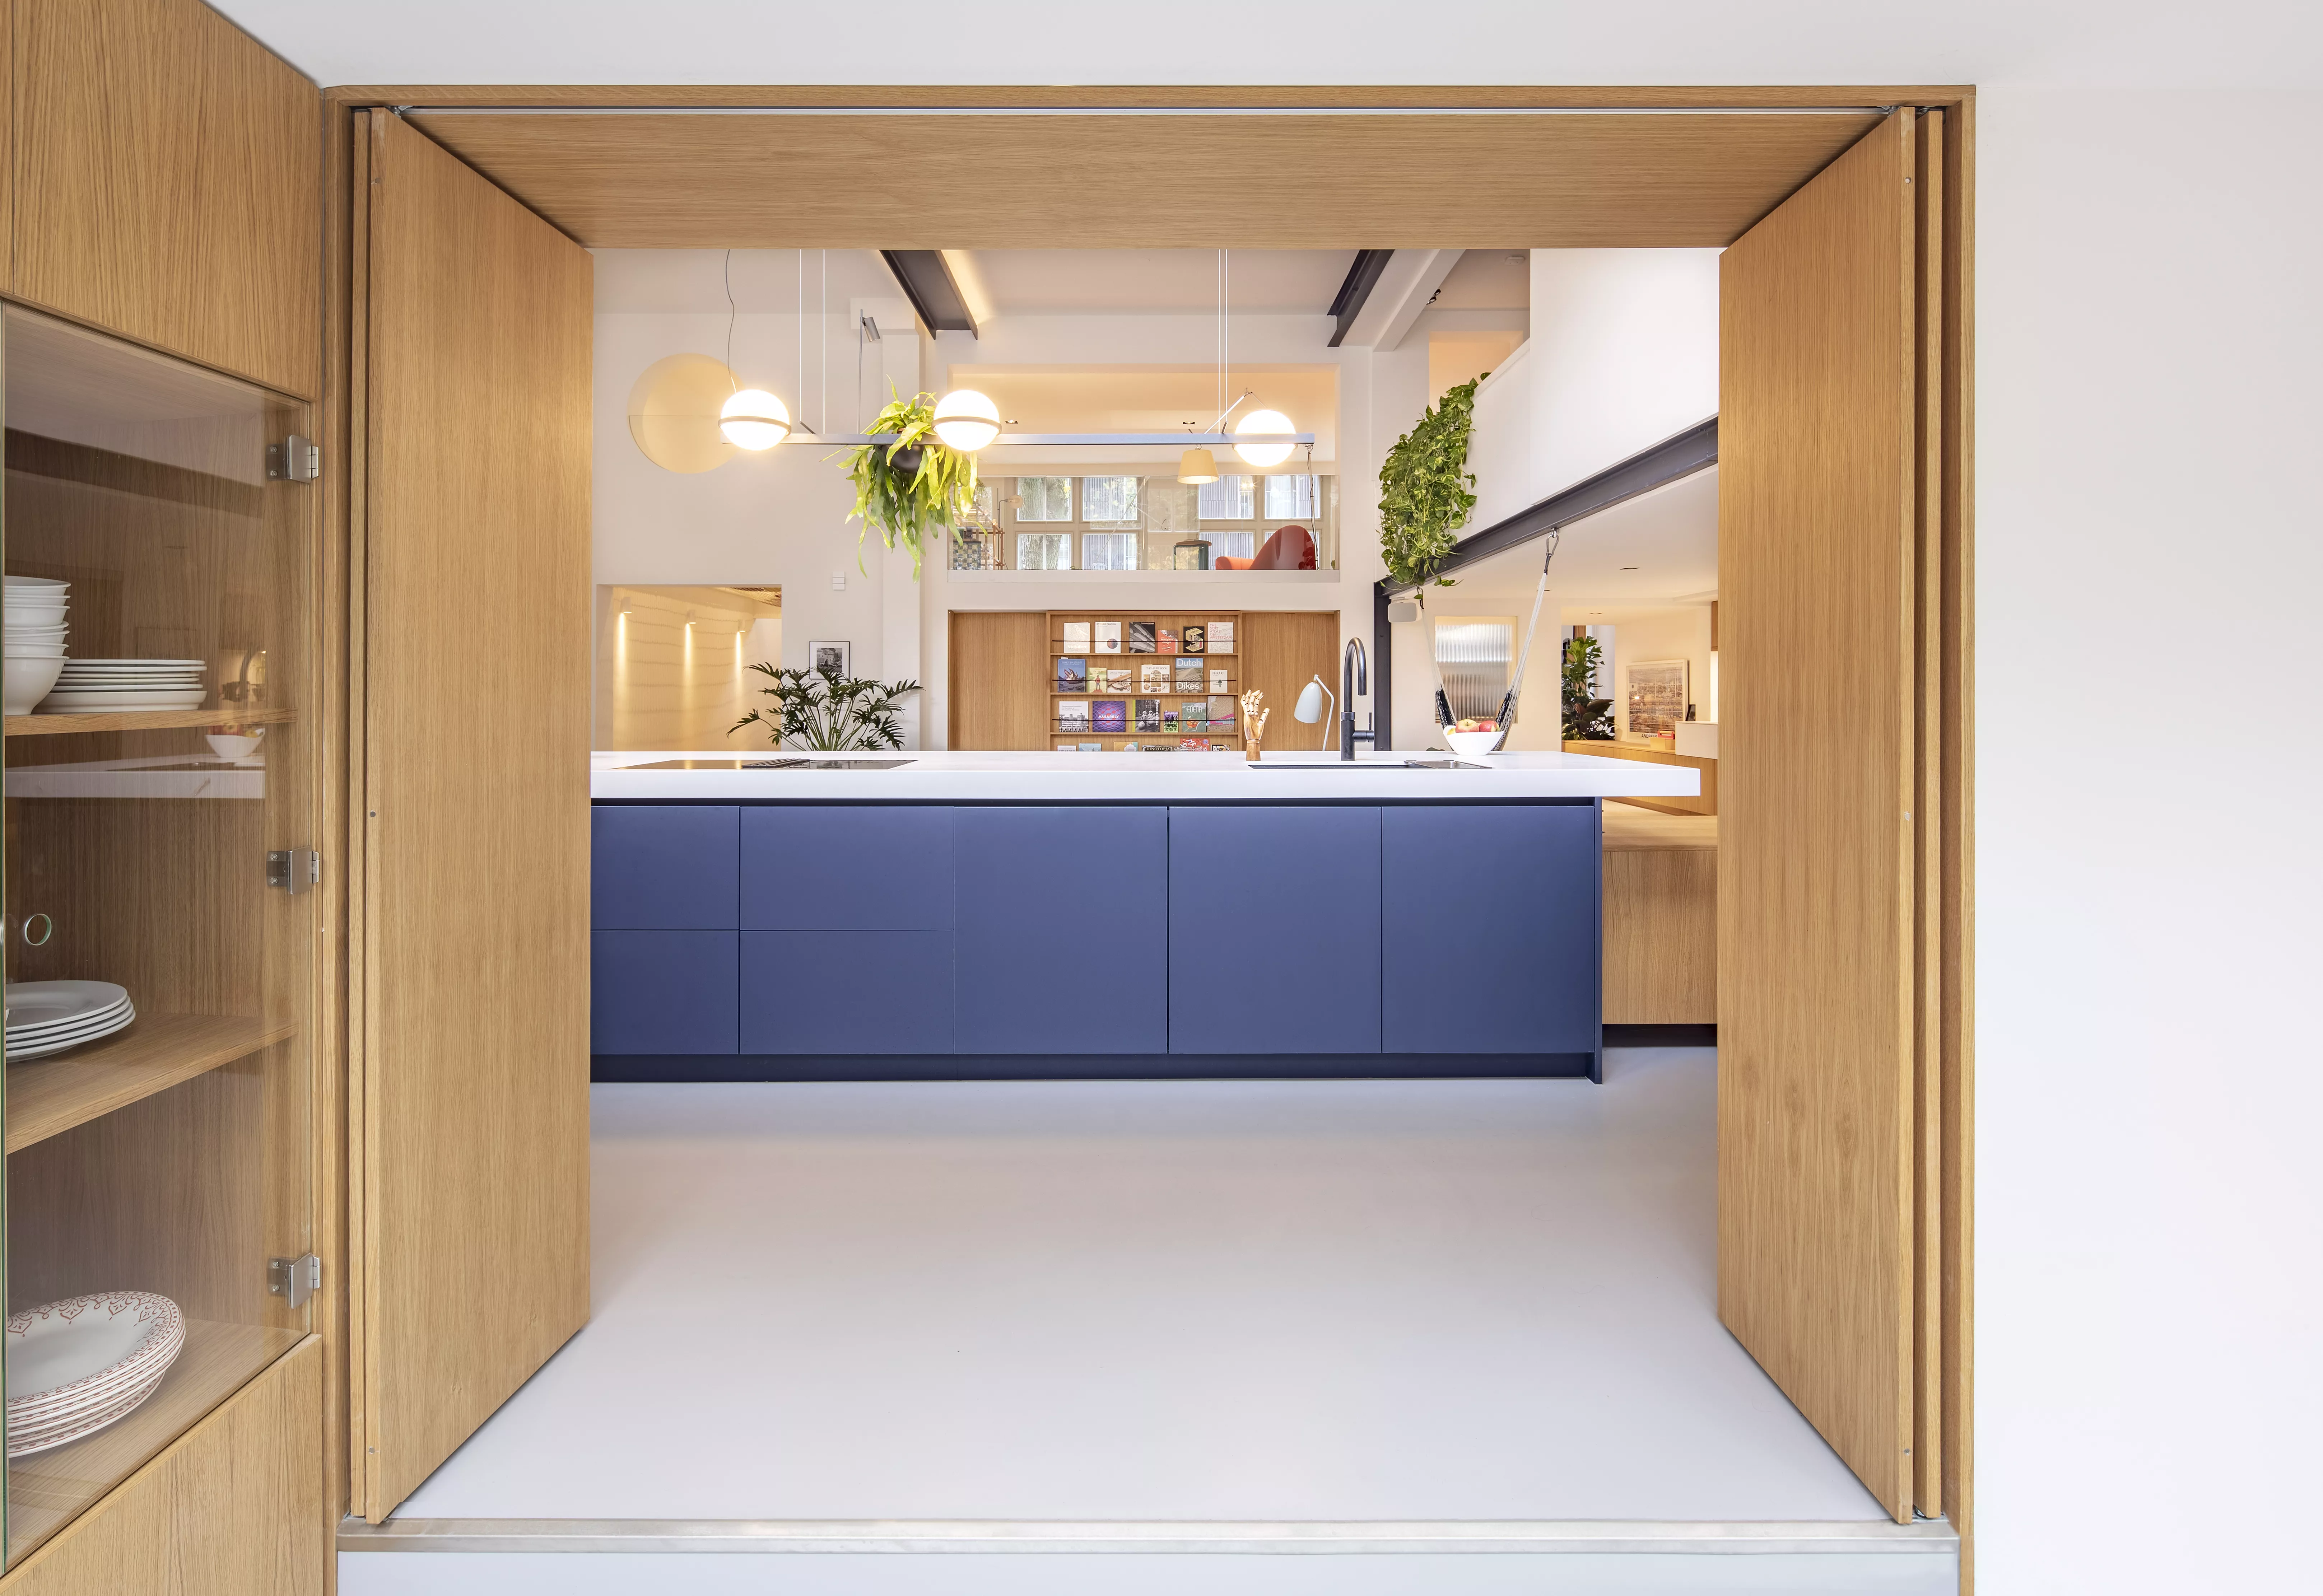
1122 179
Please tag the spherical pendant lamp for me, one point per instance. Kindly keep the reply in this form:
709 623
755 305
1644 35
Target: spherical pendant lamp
966 420
753 419
1264 455
1197 466
674 413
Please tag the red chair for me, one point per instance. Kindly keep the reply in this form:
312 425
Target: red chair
1291 548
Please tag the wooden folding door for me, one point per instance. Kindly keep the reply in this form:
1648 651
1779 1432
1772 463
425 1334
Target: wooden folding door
471 328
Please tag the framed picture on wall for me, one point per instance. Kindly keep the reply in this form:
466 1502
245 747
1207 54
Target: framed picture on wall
832 658
1656 697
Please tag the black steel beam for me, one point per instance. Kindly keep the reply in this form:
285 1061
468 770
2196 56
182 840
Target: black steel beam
927 282
1692 450
1362 277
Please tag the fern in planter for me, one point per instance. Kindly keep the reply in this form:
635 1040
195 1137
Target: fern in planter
1587 718
914 488
1425 484
826 711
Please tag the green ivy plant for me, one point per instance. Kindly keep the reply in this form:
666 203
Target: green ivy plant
826 711
1424 490
1587 718
915 489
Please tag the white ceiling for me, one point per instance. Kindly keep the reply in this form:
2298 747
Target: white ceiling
1488 279
764 280
1160 281
1670 535
1988 42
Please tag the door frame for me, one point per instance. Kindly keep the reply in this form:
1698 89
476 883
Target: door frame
1951 649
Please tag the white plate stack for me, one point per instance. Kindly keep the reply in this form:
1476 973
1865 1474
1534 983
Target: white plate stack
47 1017
32 638
79 1365
94 686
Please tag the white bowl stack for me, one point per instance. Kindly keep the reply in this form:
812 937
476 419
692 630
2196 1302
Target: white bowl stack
96 686
79 1365
33 639
47 1017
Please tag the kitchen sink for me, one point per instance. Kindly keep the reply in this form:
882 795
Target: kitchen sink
1369 765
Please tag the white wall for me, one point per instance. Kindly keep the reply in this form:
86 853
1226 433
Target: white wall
1625 354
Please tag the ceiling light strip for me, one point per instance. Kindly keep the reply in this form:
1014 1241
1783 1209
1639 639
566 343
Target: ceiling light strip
1235 111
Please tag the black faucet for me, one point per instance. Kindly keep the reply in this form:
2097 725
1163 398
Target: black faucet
1355 676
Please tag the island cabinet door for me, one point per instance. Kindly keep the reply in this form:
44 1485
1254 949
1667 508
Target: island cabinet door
1490 915
1274 929
846 867
662 866
1062 944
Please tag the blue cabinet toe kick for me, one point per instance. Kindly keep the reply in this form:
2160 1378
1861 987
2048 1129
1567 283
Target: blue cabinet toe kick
716 1067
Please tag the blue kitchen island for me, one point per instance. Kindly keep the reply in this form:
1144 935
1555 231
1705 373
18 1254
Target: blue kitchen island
1012 916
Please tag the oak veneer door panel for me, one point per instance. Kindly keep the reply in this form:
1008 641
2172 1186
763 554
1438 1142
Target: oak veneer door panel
167 184
1000 676
476 324
1816 1124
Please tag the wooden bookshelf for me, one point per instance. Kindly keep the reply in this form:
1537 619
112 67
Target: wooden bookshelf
47 1096
1176 621
139 720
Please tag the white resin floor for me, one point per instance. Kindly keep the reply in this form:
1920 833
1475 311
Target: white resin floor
1154 1300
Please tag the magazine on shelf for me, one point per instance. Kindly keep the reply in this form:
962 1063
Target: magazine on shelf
1073 675
1169 716
1165 640
1194 715
1140 636
1109 714
1108 636
1076 637
1222 711
1221 637
1196 639
1149 714
1187 675
1092 748
1152 677
1073 715
1218 680
1117 679
1194 745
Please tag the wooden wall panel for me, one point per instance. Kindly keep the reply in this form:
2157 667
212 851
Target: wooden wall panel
1660 918
988 181
477 324
167 184
232 1507
998 672
1281 649
1818 472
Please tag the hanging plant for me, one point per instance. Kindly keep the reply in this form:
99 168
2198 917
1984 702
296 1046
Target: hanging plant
1424 490
827 712
914 489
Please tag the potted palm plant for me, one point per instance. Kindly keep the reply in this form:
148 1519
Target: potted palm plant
826 711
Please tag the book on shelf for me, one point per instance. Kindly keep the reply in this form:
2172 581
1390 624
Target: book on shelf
1222 711
1073 715
1092 748
1193 745
1140 636
1197 640
1073 675
1069 748
1194 715
1109 714
1117 679
1218 680
1152 677
1076 637
1108 636
1187 675
1169 716
1165 640
1221 637
1149 714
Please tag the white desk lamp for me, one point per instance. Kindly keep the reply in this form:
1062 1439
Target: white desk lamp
1309 708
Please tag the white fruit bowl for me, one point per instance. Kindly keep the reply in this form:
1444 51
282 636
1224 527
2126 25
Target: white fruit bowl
24 683
1469 745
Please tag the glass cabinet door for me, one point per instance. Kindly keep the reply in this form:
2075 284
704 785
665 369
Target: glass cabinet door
161 793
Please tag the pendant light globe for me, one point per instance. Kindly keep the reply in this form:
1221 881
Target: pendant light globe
1263 421
966 420
753 419
1197 467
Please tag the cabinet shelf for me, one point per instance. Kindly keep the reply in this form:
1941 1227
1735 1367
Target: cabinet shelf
48 1489
47 1096
139 720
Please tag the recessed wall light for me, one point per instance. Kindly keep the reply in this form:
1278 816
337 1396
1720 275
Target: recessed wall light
1629 567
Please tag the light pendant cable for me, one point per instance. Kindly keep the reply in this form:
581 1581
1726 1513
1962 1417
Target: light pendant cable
751 418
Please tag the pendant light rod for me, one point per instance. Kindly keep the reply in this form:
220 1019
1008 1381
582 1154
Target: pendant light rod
1090 440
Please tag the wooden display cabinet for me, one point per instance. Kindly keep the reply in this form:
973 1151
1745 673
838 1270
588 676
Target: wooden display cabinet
1156 739
177 1155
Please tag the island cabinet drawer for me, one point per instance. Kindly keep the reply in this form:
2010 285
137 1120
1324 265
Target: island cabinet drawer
829 992
1062 929
1274 929
861 867
1490 918
663 991
657 866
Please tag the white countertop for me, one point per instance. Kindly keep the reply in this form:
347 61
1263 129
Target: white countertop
1160 778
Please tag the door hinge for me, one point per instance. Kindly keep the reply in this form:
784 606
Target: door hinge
293 870
294 460
294 1279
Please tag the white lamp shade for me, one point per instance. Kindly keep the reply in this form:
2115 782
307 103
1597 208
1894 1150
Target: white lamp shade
1198 465
966 420
674 413
753 419
1310 703
1264 455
